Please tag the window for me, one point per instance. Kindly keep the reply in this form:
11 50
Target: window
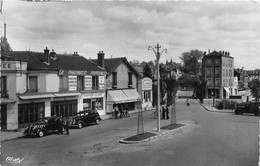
33 84
64 108
95 82
63 84
130 81
226 72
209 83
217 72
217 62
217 82
4 87
208 61
208 73
223 72
114 79
30 113
80 83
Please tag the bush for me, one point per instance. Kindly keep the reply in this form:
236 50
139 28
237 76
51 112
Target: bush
228 104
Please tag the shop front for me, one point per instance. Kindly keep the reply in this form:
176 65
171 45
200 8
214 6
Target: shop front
93 101
123 98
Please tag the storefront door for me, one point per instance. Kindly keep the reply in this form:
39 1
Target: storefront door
3 116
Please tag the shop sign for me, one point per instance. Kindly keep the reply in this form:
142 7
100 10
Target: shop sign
80 73
101 82
147 84
93 95
88 82
72 83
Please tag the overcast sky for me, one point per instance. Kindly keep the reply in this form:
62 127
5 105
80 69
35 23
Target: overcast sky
126 29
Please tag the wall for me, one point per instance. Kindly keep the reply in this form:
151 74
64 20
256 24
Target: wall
52 82
21 83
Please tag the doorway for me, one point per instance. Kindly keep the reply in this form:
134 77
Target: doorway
3 117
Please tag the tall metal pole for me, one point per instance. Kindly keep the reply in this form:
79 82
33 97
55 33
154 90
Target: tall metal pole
158 54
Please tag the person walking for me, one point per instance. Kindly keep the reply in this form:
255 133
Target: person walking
116 111
167 112
163 112
60 126
66 124
188 104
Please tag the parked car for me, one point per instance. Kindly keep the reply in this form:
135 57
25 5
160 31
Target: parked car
248 107
42 127
84 118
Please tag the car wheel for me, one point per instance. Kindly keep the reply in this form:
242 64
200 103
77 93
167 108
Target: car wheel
40 134
97 121
79 125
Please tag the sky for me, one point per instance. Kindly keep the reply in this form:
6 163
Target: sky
128 28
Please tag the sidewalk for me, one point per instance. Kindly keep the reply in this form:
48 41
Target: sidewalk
207 104
9 135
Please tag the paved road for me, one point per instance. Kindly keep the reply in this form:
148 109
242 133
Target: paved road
208 138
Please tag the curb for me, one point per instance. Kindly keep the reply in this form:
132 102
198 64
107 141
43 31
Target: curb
211 110
151 138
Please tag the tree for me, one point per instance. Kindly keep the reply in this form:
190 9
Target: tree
254 85
135 63
190 61
5 46
147 71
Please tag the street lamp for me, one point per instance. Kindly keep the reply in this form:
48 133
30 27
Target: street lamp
157 55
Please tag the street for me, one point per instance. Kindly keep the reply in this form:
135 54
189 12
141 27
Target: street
207 139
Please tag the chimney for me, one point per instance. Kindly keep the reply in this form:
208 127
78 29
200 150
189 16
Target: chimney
101 59
46 56
53 55
75 54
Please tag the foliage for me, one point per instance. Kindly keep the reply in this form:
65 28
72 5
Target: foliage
190 61
228 104
254 85
186 80
5 46
147 71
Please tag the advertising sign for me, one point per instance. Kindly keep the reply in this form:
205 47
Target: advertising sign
101 82
147 84
72 83
88 82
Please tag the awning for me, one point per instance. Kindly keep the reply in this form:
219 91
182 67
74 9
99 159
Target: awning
116 96
227 90
6 101
35 96
132 94
66 94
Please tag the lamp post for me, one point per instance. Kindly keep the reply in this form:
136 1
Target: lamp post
157 55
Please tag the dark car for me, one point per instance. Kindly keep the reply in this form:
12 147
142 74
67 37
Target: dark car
85 118
248 107
42 127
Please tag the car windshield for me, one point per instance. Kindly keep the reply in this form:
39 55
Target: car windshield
42 120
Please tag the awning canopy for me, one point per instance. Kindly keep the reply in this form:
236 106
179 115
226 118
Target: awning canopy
122 96
132 94
66 94
6 101
227 90
35 96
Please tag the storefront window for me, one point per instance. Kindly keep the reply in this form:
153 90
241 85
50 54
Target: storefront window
64 108
86 104
99 104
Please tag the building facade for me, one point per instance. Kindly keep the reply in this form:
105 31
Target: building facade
121 83
39 85
218 71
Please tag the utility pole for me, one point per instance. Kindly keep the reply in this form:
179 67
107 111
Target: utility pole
157 55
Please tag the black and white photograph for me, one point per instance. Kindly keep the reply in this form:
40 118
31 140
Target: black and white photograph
123 83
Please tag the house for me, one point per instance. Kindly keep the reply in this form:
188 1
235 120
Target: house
218 71
42 84
121 82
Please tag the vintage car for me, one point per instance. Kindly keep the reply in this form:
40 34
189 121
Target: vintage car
84 118
42 127
248 107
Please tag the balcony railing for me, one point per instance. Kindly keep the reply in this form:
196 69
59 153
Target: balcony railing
4 94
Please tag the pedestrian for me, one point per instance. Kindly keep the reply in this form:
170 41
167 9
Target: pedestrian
188 104
60 126
167 112
66 124
116 111
121 111
163 112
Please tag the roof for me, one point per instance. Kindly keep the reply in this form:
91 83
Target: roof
35 61
112 63
220 53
